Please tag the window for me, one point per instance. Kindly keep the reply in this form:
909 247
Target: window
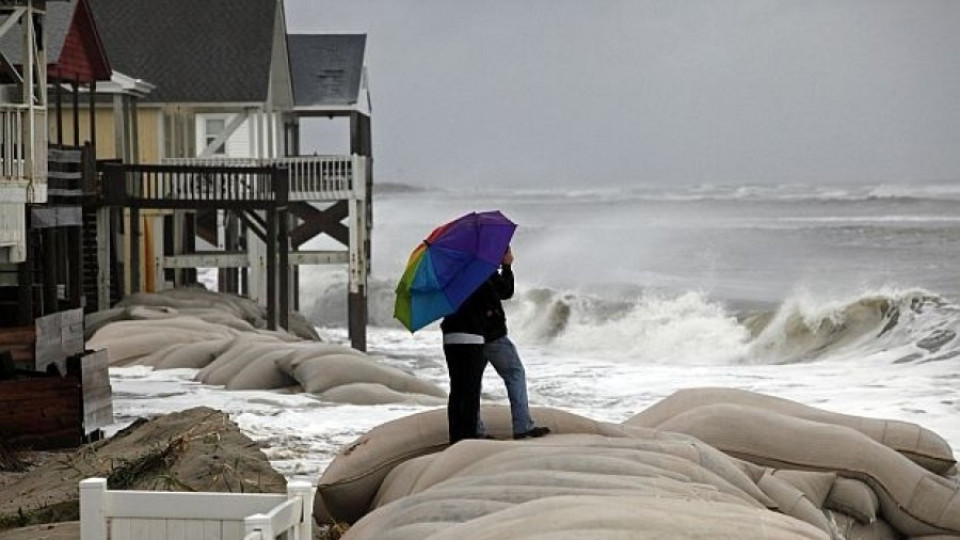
213 128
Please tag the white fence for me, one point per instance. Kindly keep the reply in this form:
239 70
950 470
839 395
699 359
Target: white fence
157 515
312 178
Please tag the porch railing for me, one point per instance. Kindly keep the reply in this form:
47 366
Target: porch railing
16 147
184 186
12 149
312 178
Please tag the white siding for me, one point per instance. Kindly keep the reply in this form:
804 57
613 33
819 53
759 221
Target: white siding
238 145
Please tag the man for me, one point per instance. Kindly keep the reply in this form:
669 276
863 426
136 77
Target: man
500 352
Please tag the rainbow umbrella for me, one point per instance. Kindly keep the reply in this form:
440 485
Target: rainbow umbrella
449 265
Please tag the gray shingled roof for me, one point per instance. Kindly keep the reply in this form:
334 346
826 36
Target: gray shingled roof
326 68
57 20
202 51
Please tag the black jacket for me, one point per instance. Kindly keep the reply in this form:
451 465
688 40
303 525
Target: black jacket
482 312
468 319
498 287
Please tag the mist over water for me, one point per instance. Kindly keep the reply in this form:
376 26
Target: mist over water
708 275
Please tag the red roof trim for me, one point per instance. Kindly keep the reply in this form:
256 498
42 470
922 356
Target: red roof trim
82 57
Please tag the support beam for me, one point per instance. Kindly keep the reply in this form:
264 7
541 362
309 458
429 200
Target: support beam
281 182
272 269
357 267
76 110
12 19
58 95
103 258
93 118
135 250
283 239
317 221
50 266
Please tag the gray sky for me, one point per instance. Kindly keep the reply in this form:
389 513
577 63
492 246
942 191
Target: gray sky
606 92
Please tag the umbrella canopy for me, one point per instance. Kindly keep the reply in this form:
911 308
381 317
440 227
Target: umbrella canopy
449 265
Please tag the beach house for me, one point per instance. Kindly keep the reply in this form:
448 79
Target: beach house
223 86
54 392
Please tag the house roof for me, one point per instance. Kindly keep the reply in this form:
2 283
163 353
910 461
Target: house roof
196 51
74 47
327 69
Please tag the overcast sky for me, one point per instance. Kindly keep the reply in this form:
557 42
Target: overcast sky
592 92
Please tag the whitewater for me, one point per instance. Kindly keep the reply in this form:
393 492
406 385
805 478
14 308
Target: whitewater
839 297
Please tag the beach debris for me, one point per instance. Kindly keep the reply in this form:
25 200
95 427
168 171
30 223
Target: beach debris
199 449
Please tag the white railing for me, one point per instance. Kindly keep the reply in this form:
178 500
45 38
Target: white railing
23 162
312 178
12 139
131 515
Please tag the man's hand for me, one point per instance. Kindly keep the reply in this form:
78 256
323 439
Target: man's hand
507 257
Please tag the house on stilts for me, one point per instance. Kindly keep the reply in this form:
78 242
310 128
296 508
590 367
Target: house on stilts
52 391
212 177
181 152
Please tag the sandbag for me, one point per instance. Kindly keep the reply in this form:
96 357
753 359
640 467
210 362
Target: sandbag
243 350
814 485
401 480
792 502
155 357
849 528
854 498
913 500
193 355
132 342
262 374
349 483
376 394
98 319
917 443
597 517
592 462
319 373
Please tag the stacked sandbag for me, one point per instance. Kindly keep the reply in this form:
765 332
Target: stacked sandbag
350 483
128 341
237 312
721 470
223 337
588 486
322 368
912 499
917 443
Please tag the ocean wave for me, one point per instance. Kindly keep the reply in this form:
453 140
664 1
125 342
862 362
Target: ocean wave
902 325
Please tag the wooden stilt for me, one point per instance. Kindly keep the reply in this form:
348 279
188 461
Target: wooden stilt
272 269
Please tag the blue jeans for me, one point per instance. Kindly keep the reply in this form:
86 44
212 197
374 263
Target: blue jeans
503 356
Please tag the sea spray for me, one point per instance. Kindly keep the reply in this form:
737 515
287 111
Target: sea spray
653 328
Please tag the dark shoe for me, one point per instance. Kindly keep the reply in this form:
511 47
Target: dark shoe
538 431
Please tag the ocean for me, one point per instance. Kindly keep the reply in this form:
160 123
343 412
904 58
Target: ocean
840 297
